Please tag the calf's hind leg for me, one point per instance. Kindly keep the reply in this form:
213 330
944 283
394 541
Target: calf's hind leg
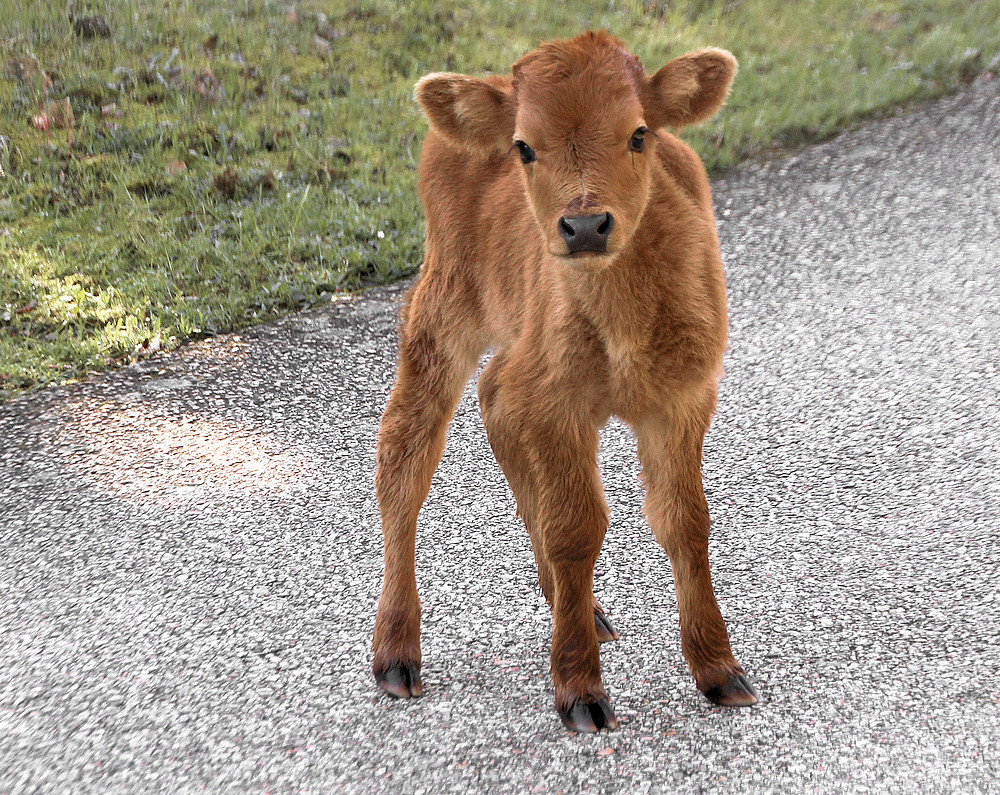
433 368
507 447
551 465
670 449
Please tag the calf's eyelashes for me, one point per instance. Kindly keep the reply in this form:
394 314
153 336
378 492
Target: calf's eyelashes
527 153
638 140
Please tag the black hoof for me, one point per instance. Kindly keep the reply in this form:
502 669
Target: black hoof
589 716
737 692
605 632
402 681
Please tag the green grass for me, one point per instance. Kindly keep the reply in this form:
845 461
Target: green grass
180 210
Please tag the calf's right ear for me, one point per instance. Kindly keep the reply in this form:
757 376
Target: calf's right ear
468 111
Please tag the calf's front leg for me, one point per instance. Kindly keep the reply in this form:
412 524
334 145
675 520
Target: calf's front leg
670 449
411 440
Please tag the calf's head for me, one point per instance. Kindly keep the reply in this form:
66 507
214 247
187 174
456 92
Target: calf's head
581 116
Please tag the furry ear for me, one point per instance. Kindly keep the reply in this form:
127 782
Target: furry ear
468 111
689 89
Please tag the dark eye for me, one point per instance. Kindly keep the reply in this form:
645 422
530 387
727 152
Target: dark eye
638 140
527 153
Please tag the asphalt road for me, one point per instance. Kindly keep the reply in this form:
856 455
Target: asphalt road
191 553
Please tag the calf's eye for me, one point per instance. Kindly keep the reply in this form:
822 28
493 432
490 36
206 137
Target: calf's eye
527 153
638 140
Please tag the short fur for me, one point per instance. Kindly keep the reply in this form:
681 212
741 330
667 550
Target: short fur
637 332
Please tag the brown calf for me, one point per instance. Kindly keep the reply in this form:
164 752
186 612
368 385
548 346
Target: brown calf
570 232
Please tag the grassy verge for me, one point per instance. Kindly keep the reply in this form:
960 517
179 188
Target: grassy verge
208 165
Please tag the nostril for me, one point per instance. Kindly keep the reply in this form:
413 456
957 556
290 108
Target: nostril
586 232
604 228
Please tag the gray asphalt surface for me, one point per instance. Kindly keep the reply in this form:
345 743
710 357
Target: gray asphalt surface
191 552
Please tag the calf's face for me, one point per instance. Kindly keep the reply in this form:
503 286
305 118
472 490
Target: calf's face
581 116
582 139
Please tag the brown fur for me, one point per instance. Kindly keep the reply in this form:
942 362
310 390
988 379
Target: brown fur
637 332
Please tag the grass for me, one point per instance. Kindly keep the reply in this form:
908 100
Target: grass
230 161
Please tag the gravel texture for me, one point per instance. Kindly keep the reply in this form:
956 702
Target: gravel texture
191 552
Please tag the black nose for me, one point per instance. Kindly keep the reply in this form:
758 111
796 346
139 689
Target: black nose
586 232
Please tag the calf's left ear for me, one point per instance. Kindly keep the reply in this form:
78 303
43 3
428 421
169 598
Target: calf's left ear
469 111
689 89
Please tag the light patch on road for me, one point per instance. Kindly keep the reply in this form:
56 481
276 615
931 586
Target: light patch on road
134 455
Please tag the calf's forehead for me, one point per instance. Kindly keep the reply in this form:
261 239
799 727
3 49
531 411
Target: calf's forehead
589 105
584 87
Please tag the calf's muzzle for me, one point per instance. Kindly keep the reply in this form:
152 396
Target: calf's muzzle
586 232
